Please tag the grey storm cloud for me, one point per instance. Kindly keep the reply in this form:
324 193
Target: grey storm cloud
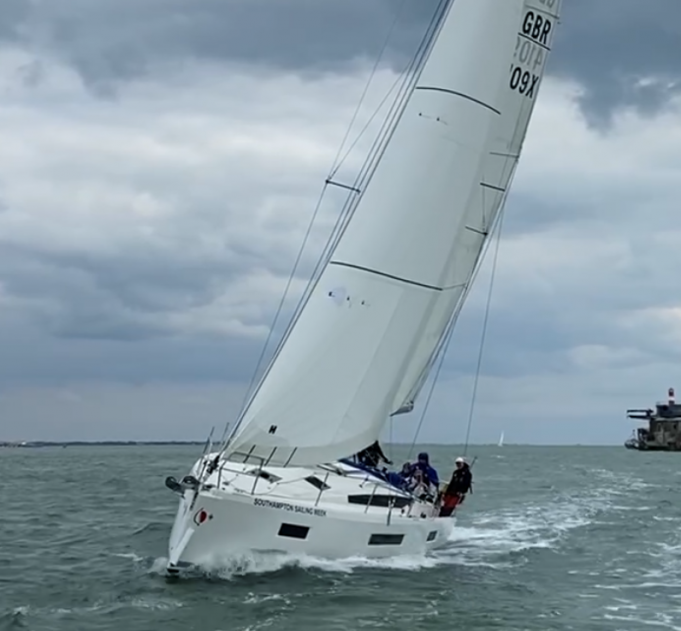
102 286
13 15
611 45
605 44
31 358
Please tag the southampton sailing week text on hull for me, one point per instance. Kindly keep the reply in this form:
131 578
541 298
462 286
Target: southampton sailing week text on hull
379 312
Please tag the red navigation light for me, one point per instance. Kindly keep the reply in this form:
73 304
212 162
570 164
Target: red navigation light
201 516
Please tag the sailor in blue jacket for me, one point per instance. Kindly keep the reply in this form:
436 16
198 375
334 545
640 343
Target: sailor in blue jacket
413 474
429 473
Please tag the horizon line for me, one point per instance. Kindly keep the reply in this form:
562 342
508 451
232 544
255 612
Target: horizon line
19 443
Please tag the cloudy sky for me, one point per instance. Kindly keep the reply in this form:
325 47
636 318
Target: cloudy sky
160 160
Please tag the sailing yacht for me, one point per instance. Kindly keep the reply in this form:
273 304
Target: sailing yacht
362 345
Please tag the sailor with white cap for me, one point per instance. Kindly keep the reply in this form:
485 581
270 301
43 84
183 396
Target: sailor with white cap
462 480
460 484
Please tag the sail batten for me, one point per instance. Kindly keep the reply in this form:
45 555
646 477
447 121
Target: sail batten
401 263
400 279
460 94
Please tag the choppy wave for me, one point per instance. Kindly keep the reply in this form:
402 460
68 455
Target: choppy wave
551 539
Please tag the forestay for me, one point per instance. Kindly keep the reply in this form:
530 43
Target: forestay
339 373
533 43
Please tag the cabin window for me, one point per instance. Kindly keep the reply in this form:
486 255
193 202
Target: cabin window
431 535
379 500
293 531
317 483
385 540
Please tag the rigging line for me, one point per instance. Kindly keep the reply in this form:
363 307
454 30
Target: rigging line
250 390
378 146
335 168
414 64
346 210
391 439
279 308
342 221
383 136
500 220
443 353
444 343
442 347
408 78
411 75
491 284
484 330
400 78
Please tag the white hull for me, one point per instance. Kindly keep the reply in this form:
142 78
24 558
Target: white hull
289 515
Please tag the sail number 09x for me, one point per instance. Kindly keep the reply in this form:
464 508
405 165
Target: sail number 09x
523 81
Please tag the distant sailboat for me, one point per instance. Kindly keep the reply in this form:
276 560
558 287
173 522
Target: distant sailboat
362 345
501 440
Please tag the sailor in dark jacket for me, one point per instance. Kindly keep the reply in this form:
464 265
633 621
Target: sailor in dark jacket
460 484
462 479
373 455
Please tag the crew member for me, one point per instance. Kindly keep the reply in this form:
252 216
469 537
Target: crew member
460 484
422 464
373 455
401 479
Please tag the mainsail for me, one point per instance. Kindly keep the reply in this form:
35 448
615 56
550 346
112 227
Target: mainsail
370 325
533 44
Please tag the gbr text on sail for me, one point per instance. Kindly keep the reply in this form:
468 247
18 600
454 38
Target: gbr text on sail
532 45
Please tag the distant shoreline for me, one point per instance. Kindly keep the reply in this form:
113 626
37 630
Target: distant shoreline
96 443
14 444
